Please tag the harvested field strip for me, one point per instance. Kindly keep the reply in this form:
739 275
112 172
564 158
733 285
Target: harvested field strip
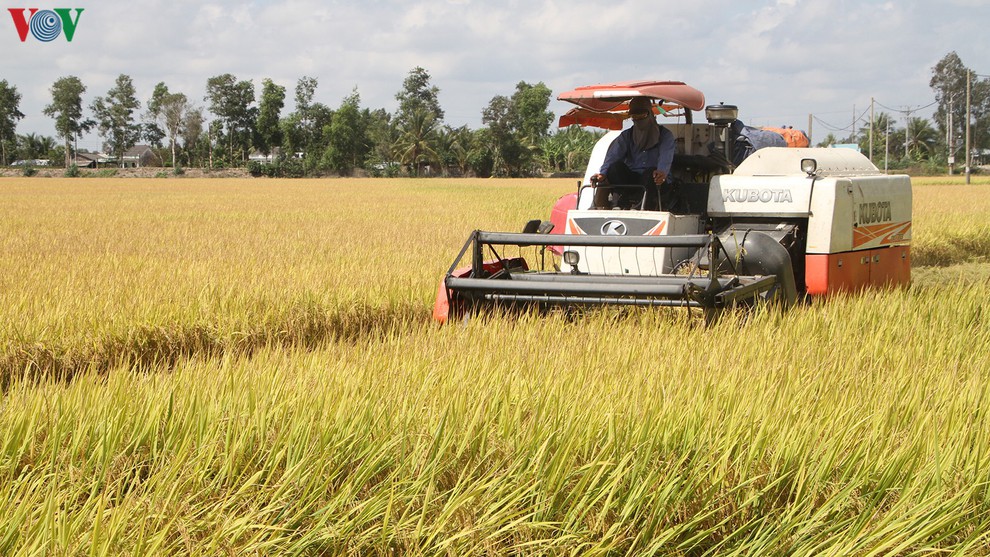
158 347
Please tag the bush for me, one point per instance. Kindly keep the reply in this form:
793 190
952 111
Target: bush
384 170
178 171
72 171
256 168
29 171
293 168
284 168
107 173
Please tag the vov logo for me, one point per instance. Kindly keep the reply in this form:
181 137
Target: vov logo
45 25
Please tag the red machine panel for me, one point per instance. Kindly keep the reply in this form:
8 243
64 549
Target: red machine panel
854 270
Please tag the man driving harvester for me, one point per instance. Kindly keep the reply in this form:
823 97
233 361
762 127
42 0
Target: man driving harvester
640 155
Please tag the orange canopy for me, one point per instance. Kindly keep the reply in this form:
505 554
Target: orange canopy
606 105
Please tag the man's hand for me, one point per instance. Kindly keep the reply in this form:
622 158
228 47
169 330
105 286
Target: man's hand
598 178
659 176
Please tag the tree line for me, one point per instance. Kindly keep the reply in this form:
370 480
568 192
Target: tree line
314 139
931 142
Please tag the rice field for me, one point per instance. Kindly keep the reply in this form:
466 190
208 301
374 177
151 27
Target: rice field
248 367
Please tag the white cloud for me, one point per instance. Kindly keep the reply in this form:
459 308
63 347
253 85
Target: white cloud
776 59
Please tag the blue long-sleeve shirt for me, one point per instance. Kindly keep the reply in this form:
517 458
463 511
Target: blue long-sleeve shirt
658 157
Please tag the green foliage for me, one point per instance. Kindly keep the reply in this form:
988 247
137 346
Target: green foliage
10 101
29 170
325 140
383 137
279 168
882 124
517 126
231 100
195 144
305 90
416 146
455 146
347 144
256 168
504 145
312 162
303 130
292 168
481 160
531 116
152 133
417 95
66 108
72 171
828 141
170 114
569 149
34 146
267 132
378 169
949 79
114 116
56 154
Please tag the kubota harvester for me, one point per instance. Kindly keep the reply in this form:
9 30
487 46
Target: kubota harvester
740 221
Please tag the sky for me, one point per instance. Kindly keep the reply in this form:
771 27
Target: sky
779 61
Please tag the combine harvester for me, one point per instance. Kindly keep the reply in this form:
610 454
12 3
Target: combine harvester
737 224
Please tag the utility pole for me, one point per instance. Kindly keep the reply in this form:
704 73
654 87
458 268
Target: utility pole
886 149
969 77
871 129
907 130
952 153
810 143
852 137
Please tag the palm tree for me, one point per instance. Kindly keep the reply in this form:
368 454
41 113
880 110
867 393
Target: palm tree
569 149
921 138
446 144
34 146
418 141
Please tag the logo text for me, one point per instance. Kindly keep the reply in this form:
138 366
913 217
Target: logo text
45 25
757 195
874 212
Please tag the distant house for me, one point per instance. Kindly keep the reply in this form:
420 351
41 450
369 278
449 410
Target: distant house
31 162
92 160
140 156
259 157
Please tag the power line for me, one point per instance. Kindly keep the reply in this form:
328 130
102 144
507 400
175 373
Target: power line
848 128
907 110
862 116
